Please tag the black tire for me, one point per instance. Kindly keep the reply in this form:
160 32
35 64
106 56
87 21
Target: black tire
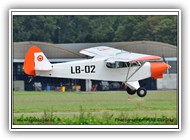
130 91
141 92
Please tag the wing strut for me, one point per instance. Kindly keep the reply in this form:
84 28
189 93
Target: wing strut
128 72
134 72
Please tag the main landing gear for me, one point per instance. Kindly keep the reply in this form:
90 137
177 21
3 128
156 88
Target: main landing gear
141 92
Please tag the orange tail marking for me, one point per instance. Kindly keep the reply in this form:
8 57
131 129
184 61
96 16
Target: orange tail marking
29 66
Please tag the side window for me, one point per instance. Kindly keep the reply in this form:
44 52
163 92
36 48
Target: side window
122 64
132 64
111 65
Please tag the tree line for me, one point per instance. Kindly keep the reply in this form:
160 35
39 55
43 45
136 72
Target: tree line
95 28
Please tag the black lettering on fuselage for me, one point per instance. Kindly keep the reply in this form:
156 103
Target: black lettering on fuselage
77 69
92 68
85 69
72 71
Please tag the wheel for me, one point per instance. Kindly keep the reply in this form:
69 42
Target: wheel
130 91
141 92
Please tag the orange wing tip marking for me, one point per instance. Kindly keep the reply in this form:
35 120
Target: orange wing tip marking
146 58
103 49
29 67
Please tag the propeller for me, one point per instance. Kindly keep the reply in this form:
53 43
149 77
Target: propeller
164 59
168 66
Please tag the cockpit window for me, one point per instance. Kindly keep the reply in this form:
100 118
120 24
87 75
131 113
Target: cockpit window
111 65
133 64
123 64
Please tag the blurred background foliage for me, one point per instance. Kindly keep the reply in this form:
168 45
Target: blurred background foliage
91 29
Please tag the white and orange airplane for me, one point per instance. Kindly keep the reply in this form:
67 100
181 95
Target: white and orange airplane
108 64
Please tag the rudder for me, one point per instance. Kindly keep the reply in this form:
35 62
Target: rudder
35 60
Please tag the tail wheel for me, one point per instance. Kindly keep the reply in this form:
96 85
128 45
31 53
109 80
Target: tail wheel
141 92
130 91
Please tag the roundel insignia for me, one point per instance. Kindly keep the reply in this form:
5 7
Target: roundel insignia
40 58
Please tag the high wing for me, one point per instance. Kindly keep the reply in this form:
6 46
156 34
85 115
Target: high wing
116 55
100 51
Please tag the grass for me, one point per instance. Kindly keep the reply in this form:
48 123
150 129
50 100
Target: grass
158 107
86 119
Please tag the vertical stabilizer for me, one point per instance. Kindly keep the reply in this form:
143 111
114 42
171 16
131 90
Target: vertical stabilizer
35 60
41 62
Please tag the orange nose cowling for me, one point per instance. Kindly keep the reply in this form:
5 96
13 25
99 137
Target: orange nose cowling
158 69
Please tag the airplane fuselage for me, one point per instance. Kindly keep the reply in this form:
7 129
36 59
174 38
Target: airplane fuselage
96 69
